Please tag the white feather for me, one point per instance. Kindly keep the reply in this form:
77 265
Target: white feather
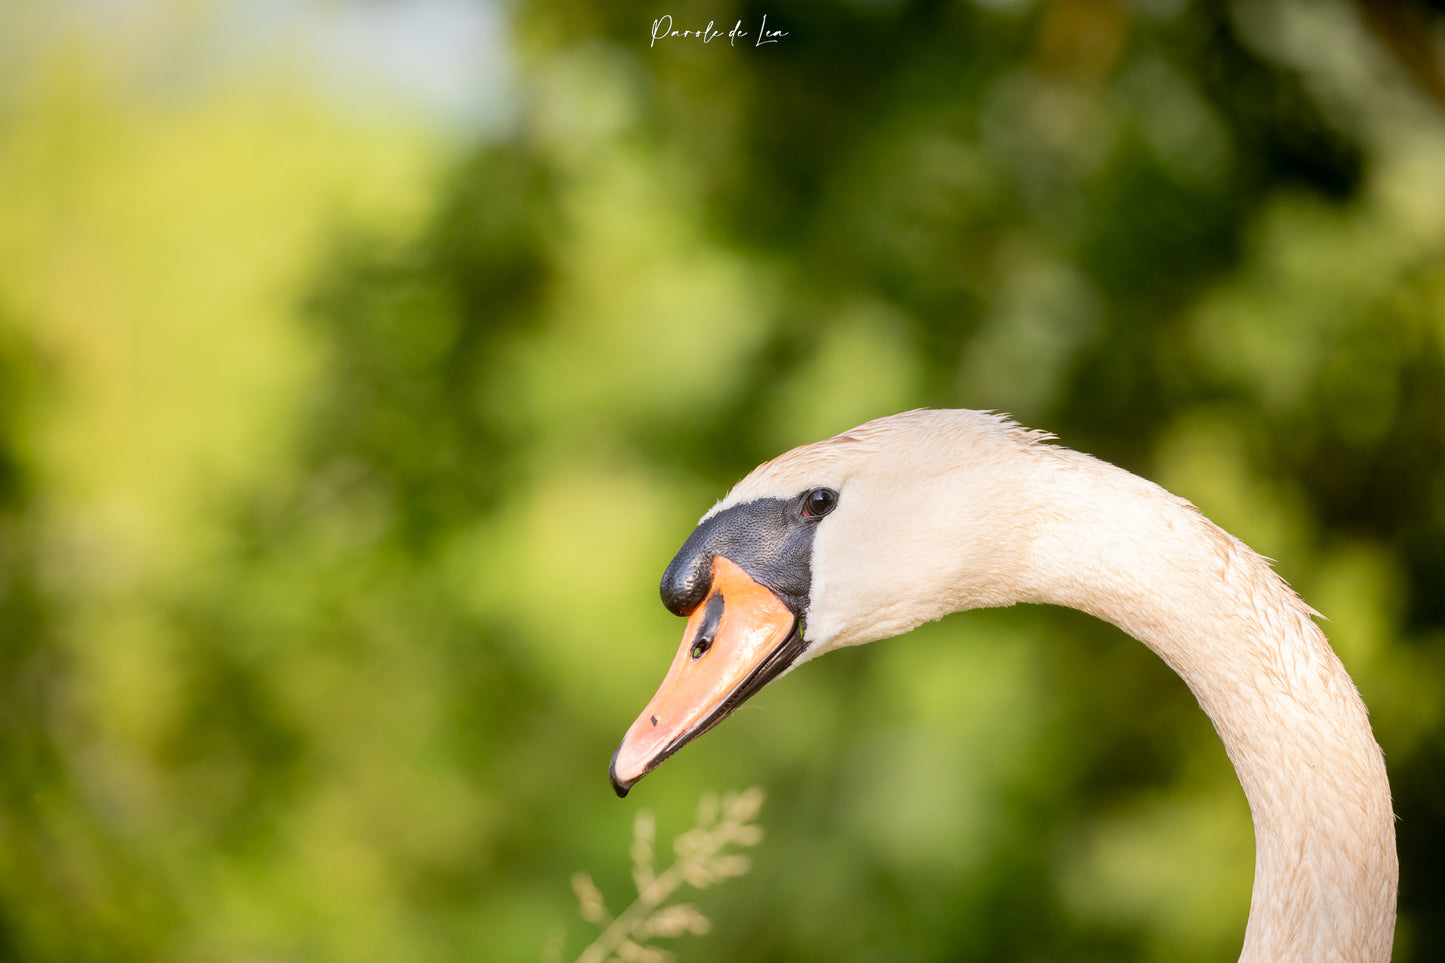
941 511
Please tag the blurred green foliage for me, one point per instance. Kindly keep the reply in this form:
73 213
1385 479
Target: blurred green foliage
334 490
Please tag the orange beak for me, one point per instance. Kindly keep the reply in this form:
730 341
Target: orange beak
740 638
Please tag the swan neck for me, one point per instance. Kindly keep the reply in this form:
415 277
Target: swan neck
1290 718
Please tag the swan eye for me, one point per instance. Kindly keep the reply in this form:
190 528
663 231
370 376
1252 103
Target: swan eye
819 502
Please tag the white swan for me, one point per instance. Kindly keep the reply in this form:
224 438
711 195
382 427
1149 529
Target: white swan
908 518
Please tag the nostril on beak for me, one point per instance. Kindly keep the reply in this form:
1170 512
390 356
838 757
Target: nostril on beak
707 631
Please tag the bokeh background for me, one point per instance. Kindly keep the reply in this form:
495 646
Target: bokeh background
363 364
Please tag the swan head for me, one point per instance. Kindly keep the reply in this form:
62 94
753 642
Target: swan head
859 537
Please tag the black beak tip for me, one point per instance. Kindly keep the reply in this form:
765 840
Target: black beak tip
618 786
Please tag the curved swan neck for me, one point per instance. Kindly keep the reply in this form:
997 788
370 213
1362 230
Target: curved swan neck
1125 550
